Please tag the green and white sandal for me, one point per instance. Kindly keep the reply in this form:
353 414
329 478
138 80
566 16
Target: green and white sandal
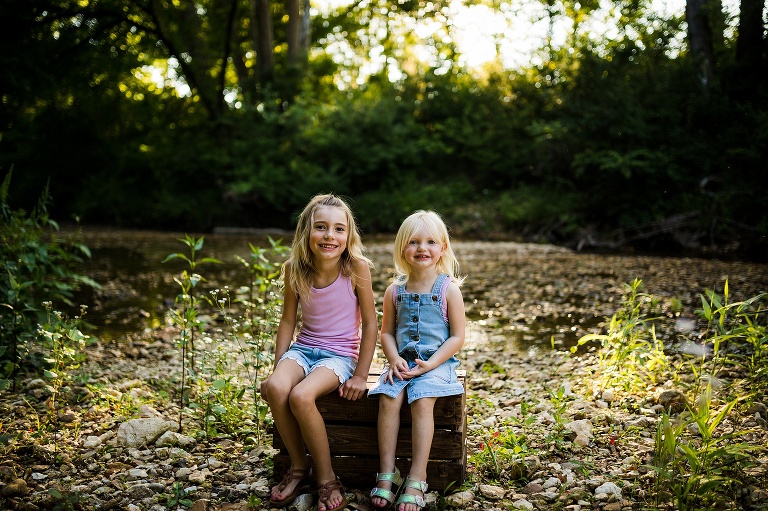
416 500
393 477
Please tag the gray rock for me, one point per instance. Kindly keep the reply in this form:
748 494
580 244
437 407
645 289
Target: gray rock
491 492
523 505
139 432
609 489
140 491
460 499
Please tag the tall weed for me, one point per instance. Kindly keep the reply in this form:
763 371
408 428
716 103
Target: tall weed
630 355
697 464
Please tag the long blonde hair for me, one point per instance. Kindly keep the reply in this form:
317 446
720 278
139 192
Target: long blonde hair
302 267
438 230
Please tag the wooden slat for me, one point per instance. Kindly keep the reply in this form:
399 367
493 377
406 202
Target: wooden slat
363 441
360 473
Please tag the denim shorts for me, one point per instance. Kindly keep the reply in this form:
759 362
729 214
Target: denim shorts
439 382
311 358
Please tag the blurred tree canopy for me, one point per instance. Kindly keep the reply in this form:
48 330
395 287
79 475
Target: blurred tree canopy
622 124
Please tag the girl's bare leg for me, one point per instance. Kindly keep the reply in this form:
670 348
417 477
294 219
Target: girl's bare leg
303 405
388 428
278 390
422 411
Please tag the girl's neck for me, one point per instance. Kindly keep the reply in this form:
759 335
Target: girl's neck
422 281
326 272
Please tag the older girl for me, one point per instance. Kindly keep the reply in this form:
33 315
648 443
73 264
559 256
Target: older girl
328 275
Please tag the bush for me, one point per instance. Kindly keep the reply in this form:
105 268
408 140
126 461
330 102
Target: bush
36 268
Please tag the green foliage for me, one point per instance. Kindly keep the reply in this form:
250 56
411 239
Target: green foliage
178 497
224 395
185 314
66 500
610 131
695 461
698 459
631 356
36 268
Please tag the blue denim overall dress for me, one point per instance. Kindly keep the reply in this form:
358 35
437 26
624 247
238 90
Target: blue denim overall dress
421 328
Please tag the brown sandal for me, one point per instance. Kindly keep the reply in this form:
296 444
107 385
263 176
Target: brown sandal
324 493
297 474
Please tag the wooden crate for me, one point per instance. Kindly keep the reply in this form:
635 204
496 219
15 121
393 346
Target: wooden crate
351 427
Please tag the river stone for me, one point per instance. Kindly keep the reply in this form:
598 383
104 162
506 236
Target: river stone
523 505
16 488
139 432
200 505
492 492
140 491
673 400
171 438
533 487
199 476
460 499
608 489
92 442
552 482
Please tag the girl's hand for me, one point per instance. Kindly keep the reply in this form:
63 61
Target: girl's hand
354 388
421 367
396 368
263 387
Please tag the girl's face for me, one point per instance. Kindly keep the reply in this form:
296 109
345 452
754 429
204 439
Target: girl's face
328 234
422 249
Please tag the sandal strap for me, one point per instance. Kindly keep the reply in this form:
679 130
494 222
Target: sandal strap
296 474
324 490
383 494
416 485
392 477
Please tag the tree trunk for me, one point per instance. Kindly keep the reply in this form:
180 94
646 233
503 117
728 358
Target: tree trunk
262 39
292 31
306 32
750 45
700 38
229 34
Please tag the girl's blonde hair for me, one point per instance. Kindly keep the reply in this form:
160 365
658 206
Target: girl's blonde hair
437 230
302 267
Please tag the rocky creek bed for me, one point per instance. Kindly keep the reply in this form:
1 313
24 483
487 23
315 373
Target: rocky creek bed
118 448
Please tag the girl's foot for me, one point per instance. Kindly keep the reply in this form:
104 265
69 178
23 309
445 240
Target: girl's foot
289 487
382 495
412 498
331 496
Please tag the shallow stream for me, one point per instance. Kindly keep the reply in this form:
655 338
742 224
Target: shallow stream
528 296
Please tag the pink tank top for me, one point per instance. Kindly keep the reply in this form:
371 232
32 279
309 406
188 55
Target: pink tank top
331 319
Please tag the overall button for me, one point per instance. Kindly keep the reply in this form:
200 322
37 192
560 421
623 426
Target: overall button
434 298
415 319
415 298
415 337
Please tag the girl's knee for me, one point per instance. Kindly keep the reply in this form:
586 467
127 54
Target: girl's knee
424 405
387 403
300 400
276 391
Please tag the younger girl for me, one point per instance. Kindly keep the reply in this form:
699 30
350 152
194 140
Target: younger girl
422 330
328 275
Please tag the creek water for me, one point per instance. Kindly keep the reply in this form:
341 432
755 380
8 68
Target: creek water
528 295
